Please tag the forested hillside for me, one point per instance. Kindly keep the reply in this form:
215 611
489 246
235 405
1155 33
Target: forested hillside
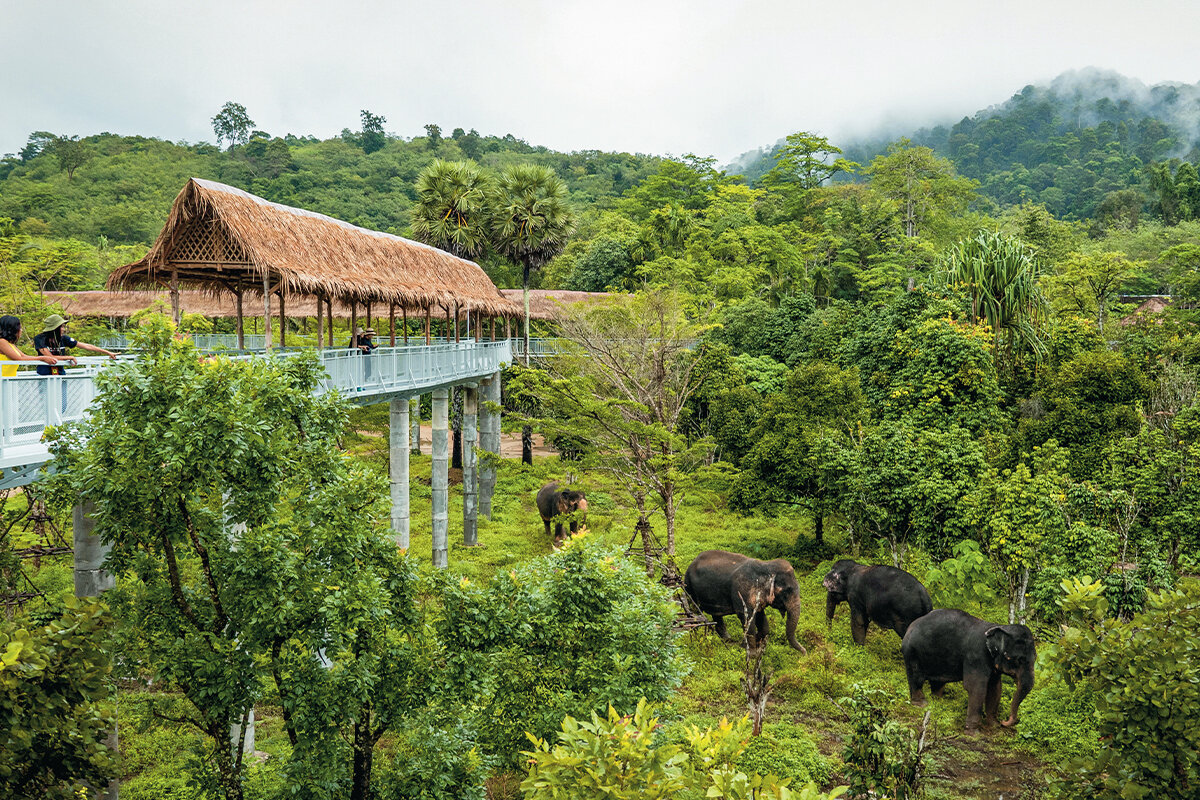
1085 146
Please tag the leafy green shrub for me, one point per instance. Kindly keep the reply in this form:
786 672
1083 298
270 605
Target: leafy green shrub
1145 677
437 762
620 757
961 580
52 729
567 634
881 757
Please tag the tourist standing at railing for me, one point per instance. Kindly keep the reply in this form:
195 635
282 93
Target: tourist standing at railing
10 334
54 341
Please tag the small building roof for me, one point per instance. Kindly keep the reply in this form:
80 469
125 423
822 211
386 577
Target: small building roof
221 239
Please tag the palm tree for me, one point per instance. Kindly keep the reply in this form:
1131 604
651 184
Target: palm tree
452 210
531 223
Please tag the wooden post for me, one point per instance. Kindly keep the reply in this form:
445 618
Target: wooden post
456 339
353 323
329 308
320 326
404 310
392 321
428 322
282 321
493 329
176 311
440 478
266 288
398 469
448 336
368 313
241 328
470 486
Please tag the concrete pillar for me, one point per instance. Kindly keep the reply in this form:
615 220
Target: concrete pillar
470 483
90 581
414 415
440 479
489 440
398 434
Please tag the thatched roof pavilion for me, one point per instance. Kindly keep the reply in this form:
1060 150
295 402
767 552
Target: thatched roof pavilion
220 239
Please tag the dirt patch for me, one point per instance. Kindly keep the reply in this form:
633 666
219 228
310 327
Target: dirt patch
510 443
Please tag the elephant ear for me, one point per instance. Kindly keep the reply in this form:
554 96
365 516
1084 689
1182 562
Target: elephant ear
763 594
997 641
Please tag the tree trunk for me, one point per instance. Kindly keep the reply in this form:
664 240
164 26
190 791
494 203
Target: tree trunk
228 777
818 527
527 444
669 514
364 752
525 299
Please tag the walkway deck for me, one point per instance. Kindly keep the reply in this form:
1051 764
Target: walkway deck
29 402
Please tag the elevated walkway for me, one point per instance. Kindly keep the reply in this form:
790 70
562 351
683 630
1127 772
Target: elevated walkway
30 402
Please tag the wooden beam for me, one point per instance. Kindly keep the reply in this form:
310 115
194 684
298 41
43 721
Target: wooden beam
392 321
176 313
282 321
241 327
404 310
428 321
320 327
266 290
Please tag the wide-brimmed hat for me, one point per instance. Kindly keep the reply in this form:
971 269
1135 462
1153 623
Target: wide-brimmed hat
358 331
53 322
369 332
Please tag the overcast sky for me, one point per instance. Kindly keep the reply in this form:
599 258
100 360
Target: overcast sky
703 76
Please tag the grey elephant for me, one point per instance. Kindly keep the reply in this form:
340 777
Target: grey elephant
554 506
887 596
724 583
948 645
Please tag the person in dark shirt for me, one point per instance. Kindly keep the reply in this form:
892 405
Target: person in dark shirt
54 341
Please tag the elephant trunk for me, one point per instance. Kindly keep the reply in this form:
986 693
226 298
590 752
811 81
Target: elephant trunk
1024 686
831 604
793 617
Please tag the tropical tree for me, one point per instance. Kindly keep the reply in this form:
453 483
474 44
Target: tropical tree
531 223
71 154
373 137
920 182
232 124
452 210
1000 277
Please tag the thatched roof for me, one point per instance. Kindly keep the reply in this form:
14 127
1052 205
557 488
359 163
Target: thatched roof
221 239
1149 307
548 304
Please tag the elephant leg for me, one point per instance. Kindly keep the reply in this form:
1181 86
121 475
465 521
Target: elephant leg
558 532
574 525
915 681
858 626
977 689
991 706
721 631
937 688
546 523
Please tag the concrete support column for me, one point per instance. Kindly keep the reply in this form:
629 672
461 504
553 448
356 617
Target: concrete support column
90 578
440 479
398 434
414 415
470 484
489 440
90 581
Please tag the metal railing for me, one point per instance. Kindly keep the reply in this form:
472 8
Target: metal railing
30 402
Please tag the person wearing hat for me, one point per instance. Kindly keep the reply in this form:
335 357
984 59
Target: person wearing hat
54 341
10 333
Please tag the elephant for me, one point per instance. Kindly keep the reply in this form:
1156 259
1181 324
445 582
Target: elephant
725 583
950 645
553 505
889 597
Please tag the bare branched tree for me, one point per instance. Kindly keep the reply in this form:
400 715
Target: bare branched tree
621 388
